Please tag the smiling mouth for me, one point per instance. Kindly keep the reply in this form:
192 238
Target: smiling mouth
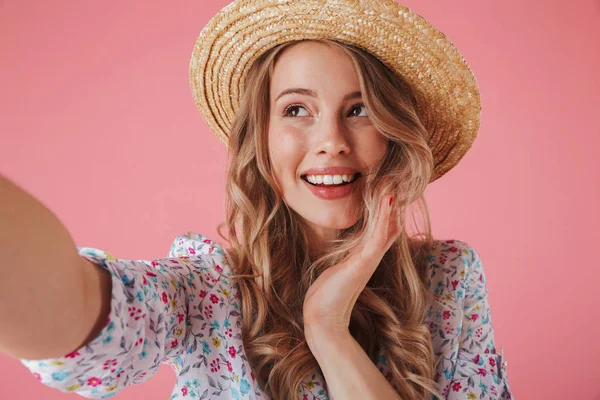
356 177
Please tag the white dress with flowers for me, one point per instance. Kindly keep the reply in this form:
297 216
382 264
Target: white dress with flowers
183 311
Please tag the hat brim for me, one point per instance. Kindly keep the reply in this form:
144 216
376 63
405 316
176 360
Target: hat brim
446 89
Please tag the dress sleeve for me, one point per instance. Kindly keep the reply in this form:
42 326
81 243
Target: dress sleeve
473 369
147 325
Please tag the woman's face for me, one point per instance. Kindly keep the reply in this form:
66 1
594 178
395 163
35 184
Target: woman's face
325 125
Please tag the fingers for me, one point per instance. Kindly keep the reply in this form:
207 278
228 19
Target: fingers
383 236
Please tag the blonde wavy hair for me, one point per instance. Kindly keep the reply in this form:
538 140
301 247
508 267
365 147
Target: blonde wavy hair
270 253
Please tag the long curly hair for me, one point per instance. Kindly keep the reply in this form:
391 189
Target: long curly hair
270 253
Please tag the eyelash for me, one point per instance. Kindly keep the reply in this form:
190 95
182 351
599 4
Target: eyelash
285 112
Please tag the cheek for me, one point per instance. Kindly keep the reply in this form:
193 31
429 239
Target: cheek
286 151
375 147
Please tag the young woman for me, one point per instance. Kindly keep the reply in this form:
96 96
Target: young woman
337 115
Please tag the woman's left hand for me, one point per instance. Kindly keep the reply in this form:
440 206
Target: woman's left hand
330 299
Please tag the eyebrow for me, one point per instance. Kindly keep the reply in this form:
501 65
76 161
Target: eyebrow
308 92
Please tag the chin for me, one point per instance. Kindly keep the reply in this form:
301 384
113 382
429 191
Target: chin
332 222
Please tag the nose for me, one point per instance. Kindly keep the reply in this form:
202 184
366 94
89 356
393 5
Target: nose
332 137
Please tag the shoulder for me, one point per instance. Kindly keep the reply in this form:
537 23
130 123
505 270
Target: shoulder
451 266
196 246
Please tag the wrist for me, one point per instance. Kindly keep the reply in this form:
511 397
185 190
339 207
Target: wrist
318 334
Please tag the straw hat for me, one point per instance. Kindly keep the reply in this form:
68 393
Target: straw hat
446 89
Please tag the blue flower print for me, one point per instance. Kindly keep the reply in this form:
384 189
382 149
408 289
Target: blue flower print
60 375
244 386
205 348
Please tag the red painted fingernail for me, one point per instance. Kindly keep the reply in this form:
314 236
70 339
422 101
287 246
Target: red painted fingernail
391 200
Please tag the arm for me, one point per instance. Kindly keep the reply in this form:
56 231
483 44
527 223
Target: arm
472 367
347 369
32 291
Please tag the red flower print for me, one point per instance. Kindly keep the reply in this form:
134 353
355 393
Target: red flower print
446 314
145 282
165 298
203 293
214 365
184 391
487 351
474 317
492 362
453 249
218 267
456 386
481 278
476 359
232 351
152 274
73 354
37 376
180 317
109 363
229 366
174 343
482 371
154 264
214 299
191 250
206 241
93 381
454 284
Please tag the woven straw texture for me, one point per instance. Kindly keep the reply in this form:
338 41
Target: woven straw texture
448 97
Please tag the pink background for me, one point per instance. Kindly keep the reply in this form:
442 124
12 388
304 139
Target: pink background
98 122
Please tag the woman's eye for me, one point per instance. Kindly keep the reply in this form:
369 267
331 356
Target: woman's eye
286 112
357 107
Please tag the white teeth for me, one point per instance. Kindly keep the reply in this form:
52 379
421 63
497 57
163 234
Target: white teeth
329 179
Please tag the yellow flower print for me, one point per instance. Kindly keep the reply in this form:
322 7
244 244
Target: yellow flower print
236 378
73 387
179 332
110 389
216 342
471 396
225 293
310 384
57 363
174 285
463 273
465 251
174 302
448 296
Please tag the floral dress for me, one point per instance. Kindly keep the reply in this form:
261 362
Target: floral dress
184 311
